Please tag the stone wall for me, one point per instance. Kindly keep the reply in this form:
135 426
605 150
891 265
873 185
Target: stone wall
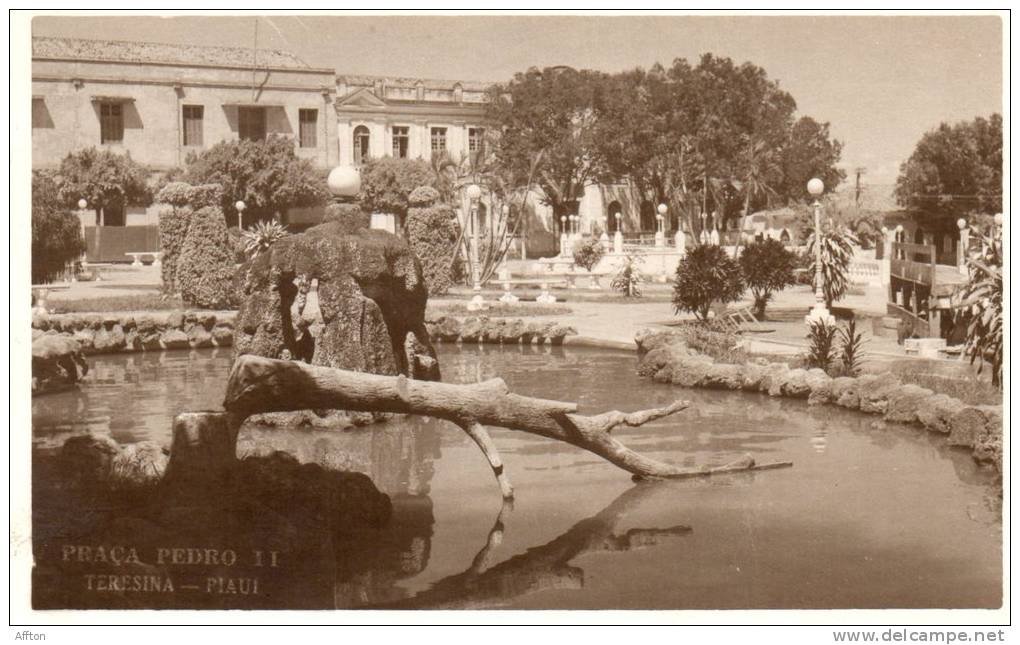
114 333
667 359
499 331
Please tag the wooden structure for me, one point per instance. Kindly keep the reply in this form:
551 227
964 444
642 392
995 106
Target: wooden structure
920 289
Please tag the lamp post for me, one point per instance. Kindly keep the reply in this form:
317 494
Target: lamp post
563 235
82 205
618 235
660 230
240 206
820 313
477 302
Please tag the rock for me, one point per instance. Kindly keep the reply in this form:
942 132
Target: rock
175 339
94 321
554 333
844 392
724 376
493 330
88 459
751 377
937 412
127 323
139 463
772 382
132 341
175 320
84 337
40 321
145 324
874 391
988 450
532 333
151 340
968 427
905 401
57 363
199 337
511 332
447 329
109 320
472 330
223 336
370 294
109 340
820 385
649 339
692 371
36 333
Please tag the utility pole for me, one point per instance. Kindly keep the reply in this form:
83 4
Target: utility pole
858 188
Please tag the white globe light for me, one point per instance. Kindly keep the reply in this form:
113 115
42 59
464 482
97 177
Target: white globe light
82 204
815 187
474 192
239 205
998 219
899 228
344 181
961 223
663 209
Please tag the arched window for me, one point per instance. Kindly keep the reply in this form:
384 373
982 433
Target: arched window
612 224
784 237
361 140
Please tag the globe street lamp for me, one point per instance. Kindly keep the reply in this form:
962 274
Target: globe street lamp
474 193
820 312
618 235
563 235
660 231
240 206
82 205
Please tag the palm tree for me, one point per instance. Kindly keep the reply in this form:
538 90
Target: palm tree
761 165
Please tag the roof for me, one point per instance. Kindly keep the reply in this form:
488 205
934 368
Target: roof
409 82
165 53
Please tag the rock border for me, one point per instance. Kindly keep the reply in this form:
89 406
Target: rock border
117 333
666 358
496 331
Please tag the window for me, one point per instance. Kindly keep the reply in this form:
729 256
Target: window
401 142
361 141
476 141
438 139
307 122
193 124
111 123
251 123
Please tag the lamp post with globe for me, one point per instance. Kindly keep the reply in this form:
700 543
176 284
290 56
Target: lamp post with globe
240 206
660 231
819 313
474 193
82 205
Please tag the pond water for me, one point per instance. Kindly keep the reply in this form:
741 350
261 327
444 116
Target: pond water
869 516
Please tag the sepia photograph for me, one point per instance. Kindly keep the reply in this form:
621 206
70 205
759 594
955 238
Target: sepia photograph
511 311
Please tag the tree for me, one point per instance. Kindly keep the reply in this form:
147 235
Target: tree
767 267
955 170
981 303
837 253
432 234
104 179
266 175
387 183
808 152
706 274
550 114
56 232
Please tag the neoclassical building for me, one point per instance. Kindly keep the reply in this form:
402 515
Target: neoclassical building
160 102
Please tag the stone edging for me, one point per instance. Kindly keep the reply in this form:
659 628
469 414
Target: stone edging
667 359
116 333
502 331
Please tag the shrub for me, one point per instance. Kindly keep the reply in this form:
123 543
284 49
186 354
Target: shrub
103 178
173 228
837 253
821 348
387 184
205 268
432 235
56 232
851 353
175 193
706 274
587 253
260 237
981 302
351 217
629 279
767 267
423 196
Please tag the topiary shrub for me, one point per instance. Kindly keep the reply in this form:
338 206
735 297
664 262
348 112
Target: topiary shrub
351 217
204 195
706 274
173 228
767 266
587 253
205 268
423 196
432 235
176 193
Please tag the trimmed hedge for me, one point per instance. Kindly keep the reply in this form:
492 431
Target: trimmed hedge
205 268
432 234
351 217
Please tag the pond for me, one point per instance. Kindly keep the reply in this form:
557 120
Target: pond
869 516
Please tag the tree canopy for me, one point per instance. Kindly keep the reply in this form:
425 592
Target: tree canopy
56 232
387 183
267 175
103 178
955 170
713 136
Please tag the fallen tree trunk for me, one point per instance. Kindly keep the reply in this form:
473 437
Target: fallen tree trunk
258 384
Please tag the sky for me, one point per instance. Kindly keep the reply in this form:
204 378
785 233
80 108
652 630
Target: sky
880 81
